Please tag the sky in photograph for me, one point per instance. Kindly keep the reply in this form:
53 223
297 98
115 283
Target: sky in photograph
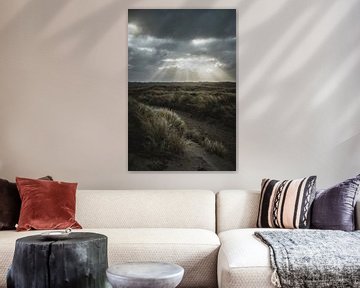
172 45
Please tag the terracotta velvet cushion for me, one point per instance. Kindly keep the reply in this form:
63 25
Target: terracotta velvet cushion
10 204
334 208
46 204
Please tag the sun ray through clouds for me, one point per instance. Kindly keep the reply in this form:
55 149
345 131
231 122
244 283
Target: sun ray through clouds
160 50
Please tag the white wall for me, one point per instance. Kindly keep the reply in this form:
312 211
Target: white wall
63 92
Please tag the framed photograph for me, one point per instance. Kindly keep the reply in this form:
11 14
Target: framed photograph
182 90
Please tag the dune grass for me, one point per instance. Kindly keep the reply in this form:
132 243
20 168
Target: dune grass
156 131
160 132
211 146
207 100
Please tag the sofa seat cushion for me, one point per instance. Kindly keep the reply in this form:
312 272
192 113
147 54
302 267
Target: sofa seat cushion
194 249
244 261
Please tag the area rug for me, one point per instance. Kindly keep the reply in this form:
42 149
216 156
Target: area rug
313 258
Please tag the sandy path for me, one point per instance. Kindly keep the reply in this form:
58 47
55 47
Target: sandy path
215 131
196 158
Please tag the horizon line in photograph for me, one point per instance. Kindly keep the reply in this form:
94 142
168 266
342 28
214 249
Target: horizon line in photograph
182 82
182 45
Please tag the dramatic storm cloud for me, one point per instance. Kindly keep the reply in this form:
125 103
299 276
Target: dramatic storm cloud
182 45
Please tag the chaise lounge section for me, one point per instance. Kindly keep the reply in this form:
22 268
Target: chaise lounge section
244 260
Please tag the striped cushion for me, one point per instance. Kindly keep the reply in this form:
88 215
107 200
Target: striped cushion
286 204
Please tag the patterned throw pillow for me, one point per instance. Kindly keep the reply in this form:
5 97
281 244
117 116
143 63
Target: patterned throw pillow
286 204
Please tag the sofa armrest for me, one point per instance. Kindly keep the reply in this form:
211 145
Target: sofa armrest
357 215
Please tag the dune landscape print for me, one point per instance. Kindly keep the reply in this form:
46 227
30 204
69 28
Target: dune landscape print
182 90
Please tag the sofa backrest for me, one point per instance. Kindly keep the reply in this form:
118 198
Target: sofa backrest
146 209
236 209
239 209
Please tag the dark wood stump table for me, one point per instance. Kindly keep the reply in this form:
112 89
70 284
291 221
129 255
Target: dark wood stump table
79 261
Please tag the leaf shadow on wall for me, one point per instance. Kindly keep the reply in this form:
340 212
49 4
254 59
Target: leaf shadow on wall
296 72
24 19
90 29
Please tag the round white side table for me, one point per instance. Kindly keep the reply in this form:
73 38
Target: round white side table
145 275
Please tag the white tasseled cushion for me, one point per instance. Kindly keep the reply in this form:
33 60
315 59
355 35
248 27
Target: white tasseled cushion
146 209
194 249
244 261
236 209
